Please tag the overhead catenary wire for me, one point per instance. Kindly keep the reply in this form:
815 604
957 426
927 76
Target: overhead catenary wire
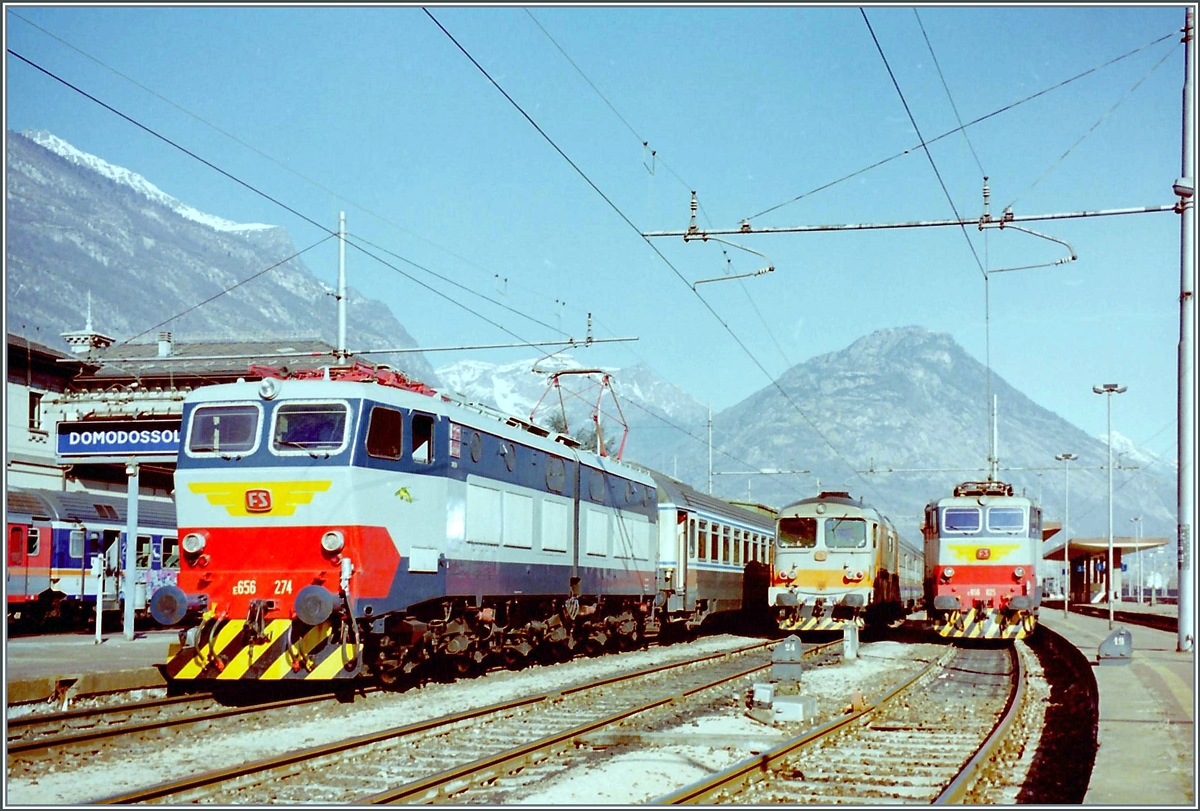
645 143
259 192
741 344
281 164
949 95
971 123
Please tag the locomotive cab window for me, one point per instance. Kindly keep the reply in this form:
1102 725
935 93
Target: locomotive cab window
961 519
170 553
385 433
224 429
799 532
845 533
1006 519
309 427
422 438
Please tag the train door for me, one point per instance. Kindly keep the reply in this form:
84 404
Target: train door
18 570
112 541
685 545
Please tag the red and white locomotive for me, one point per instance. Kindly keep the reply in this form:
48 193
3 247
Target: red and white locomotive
982 547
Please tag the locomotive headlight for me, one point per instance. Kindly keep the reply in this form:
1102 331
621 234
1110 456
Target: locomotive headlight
948 572
193 543
332 541
1019 571
268 388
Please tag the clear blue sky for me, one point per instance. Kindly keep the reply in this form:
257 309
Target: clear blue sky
377 112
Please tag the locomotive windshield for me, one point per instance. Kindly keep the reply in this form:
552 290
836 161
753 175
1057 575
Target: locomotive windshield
1006 519
223 429
797 533
845 533
309 426
962 519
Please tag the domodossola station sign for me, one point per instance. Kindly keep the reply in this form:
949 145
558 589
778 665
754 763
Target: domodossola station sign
118 439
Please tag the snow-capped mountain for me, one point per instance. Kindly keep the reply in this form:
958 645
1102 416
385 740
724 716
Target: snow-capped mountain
79 227
137 183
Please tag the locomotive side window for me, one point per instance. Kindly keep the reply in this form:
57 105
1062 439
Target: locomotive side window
170 553
309 427
961 519
33 542
845 533
385 433
1006 519
224 429
797 532
703 542
422 438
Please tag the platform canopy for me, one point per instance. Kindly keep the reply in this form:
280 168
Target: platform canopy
1086 547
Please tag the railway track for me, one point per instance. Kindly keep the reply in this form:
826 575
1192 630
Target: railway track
429 758
35 737
929 740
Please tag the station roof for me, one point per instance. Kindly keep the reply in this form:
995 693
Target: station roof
1086 547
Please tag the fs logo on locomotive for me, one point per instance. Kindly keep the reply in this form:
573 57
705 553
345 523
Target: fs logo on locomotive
258 501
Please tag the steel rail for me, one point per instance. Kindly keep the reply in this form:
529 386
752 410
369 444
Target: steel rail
121 730
753 769
956 792
315 755
99 712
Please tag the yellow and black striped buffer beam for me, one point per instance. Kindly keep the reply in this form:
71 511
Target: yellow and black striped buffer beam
285 649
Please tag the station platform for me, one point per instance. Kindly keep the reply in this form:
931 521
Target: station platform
1146 731
49 667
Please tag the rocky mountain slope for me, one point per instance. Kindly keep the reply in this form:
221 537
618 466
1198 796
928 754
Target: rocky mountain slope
77 225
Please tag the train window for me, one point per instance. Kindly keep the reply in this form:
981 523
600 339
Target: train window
385 433
143 552
714 537
797 532
35 411
224 429
75 545
33 542
703 540
596 486
691 538
170 553
422 439
310 427
1006 519
737 546
845 533
961 519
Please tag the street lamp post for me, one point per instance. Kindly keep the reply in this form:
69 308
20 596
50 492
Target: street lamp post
1068 458
1137 534
1109 389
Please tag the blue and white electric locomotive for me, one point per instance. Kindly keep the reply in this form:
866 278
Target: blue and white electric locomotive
352 523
